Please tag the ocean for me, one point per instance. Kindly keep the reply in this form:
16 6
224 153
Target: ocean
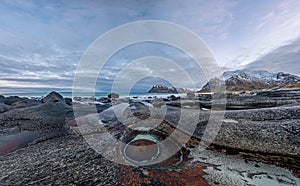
97 95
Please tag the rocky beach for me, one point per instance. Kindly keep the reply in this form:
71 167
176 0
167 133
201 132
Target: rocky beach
258 143
150 93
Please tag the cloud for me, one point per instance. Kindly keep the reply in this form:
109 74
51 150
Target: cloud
265 19
257 29
41 42
283 59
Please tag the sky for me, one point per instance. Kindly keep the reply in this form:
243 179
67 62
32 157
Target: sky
42 42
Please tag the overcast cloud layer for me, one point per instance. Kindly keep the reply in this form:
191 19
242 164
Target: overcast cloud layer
41 42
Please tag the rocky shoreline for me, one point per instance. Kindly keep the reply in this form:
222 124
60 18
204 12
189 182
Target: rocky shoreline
52 150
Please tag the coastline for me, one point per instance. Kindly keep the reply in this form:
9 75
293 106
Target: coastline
53 120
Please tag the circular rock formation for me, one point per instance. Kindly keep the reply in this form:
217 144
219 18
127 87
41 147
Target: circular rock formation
141 150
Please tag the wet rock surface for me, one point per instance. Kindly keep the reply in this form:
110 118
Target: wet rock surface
239 169
61 161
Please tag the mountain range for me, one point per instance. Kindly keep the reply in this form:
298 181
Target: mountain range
248 80
165 89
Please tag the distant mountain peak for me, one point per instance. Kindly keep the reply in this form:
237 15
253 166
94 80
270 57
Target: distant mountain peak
247 80
158 88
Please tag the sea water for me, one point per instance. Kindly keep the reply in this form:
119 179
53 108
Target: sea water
135 95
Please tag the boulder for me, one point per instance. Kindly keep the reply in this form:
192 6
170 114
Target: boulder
53 97
41 117
104 100
68 101
113 96
174 98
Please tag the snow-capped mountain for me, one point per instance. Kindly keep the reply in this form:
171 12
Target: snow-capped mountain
164 89
254 80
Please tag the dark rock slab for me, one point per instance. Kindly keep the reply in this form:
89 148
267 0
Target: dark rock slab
40 117
268 130
249 102
290 93
270 137
275 113
66 160
12 142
